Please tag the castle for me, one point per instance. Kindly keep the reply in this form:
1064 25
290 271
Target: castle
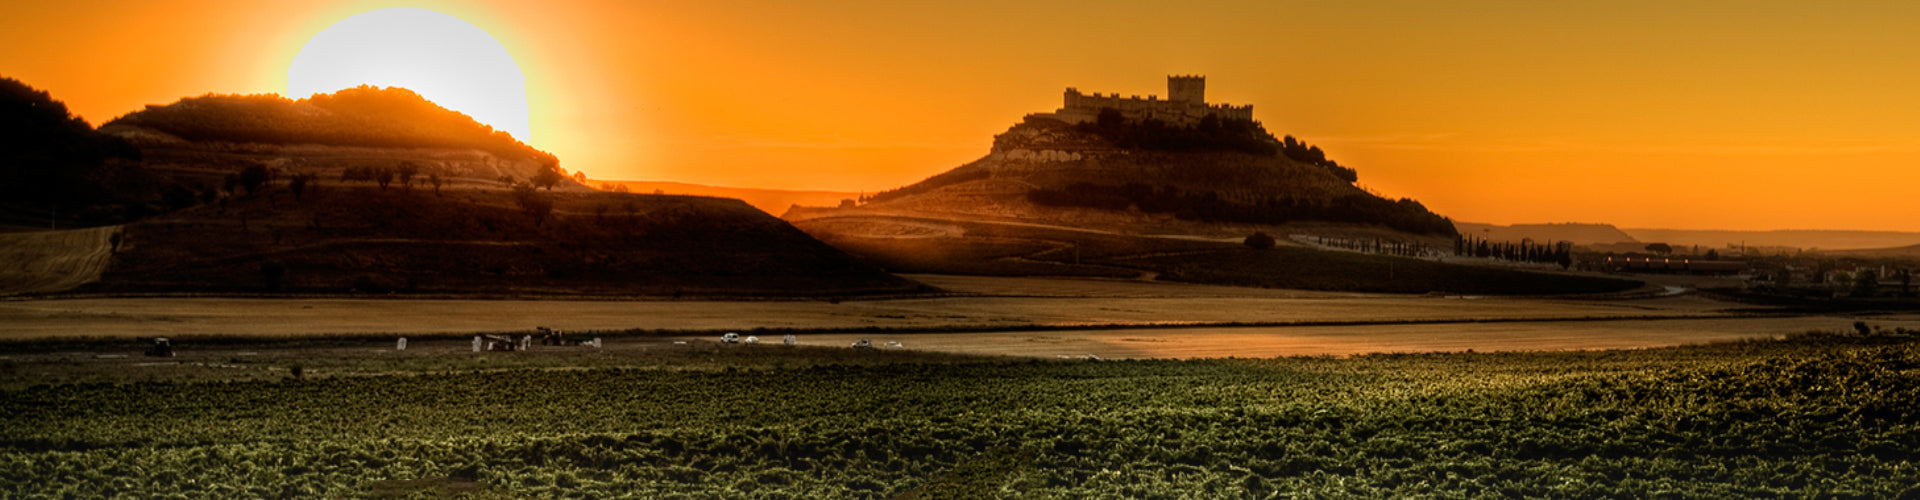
1185 105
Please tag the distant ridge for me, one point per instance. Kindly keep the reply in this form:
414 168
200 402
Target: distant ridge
1906 252
1794 238
1607 234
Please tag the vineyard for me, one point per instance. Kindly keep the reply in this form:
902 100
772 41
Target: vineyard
1824 415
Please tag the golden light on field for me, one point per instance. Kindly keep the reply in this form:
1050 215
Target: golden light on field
447 60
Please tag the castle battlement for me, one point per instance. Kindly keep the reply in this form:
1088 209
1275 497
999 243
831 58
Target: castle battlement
1186 104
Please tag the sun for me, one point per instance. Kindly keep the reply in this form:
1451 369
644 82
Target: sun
446 60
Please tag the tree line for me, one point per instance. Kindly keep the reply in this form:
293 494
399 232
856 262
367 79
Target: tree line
1312 155
1212 133
1559 252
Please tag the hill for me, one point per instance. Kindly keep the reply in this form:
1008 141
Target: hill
378 191
366 116
1119 174
361 239
1148 201
354 134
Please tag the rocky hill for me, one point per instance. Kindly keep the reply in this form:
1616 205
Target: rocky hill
1125 175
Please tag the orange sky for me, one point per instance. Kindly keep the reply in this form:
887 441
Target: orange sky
1729 115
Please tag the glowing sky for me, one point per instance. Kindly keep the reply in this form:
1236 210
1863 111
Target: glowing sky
1732 115
444 59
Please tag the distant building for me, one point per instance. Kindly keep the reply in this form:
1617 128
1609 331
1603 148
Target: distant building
1669 265
1186 104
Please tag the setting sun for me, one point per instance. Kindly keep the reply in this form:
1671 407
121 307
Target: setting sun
447 60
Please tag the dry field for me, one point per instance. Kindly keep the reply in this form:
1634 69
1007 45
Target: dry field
51 261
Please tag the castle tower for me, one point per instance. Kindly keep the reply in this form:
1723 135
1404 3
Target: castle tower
1187 89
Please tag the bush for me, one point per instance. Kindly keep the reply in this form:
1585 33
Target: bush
1260 241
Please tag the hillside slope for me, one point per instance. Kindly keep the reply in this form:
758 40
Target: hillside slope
201 141
53 261
361 239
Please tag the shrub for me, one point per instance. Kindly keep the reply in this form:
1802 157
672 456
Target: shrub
1260 241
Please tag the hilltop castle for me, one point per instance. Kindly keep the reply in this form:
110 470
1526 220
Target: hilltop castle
1186 104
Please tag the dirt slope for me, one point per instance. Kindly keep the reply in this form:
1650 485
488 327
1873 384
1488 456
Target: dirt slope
53 261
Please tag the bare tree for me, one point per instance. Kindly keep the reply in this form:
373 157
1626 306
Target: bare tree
406 171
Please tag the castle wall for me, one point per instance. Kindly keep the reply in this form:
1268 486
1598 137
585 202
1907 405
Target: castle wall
1080 108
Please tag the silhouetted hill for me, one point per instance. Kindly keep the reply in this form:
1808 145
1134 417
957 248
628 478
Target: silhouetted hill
1112 175
356 134
55 165
362 239
1151 202
366 116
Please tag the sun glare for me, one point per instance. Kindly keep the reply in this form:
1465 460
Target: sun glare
447 60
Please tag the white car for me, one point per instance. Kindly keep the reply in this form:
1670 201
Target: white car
730 338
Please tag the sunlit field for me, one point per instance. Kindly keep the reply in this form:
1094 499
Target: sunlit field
1827 416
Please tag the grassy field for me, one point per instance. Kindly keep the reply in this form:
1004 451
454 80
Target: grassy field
1300 268
1815 416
